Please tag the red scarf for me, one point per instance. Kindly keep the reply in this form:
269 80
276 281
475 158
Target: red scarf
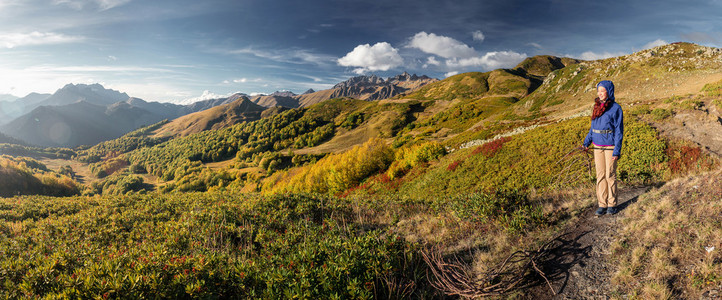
600 107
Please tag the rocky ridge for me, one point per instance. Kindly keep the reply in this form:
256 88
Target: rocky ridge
367 87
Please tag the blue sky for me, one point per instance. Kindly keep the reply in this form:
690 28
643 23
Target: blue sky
180 51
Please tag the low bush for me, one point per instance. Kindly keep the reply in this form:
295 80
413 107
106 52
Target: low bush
334 173
26 176
410 157
198 246
537 158
661 113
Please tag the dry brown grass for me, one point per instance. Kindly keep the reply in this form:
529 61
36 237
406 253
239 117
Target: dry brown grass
480 245
665 245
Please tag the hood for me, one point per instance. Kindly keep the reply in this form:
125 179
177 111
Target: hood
609 86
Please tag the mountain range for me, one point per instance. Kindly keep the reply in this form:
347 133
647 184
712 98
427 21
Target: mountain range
80 114
368 88
239 110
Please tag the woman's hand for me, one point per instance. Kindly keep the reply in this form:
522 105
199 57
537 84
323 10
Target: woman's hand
614 158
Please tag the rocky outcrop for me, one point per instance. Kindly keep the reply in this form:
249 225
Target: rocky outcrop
367 88
283 94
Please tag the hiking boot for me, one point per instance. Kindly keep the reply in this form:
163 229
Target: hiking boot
600 211
611 210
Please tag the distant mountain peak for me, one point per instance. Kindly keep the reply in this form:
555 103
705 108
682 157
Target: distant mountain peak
94 93
405 76
283 93
309 91
362 80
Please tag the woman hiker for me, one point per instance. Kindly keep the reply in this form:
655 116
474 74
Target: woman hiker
606 133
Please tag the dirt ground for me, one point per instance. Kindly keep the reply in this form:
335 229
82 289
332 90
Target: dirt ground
578 267
82 172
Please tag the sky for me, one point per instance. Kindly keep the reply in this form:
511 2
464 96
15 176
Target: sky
182 51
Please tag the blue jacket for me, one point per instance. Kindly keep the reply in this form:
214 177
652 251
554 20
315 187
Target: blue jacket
613 120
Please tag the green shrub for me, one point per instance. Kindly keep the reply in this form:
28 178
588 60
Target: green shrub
26 176
137 169
334 173
643 153
661 113
639 110
119 184
691 104
539 159
713 89
353 120
511 209
196 246
409 157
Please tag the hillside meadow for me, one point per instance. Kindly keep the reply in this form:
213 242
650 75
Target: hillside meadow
358 236
340 199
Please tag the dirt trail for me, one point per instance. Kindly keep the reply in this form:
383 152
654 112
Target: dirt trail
578 267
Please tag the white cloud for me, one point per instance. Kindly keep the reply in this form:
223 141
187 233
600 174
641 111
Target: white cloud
22 80
431 61
4 3
478 36
535 45
99 68
207 95
100 4
241 80
293 56
151 91
655 43
12 40
379 57
459 56
443 46
488 61
452 73
589 55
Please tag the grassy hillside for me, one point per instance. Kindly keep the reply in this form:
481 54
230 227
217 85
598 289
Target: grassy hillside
671 241
542 65
475 85
241 110
658 73
338 199
26 176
